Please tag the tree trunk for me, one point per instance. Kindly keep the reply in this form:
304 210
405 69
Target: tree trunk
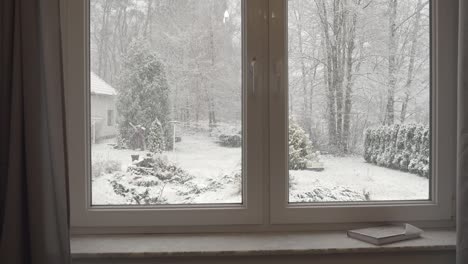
210 99
329 76
330 102
305 115
311 104
335 58
392 48
103 41
149 14
412 55
404 107
341 36
349 83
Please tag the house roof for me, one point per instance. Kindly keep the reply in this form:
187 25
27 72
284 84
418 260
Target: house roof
99 86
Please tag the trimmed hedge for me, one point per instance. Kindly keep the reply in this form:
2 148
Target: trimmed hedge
232 140
405 147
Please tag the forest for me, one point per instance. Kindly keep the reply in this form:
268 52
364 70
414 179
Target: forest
353 64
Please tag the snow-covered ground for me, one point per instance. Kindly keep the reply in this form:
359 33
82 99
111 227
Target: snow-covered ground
353 173
215 170
197 153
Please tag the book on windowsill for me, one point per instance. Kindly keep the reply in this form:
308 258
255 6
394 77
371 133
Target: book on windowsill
386 234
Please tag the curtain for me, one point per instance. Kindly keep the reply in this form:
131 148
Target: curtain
34 218
462 179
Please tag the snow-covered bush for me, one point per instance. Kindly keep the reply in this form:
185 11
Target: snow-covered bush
102 166
233 179
145 180
159 168
231 140
136 195
324 194
226 134
404 147
300 147
143 96
222 128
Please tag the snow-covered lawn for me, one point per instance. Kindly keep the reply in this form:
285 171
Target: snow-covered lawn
353 173
197 153
213 168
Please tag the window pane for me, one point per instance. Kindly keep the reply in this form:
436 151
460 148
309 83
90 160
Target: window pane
167 76
359 100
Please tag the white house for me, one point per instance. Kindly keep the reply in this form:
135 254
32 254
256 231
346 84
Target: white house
103 111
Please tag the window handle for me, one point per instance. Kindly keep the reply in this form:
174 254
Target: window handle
252 67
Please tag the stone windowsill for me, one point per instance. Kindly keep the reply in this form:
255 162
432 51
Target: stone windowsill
246 244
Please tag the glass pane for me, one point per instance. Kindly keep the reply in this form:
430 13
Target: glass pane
168 74
359 100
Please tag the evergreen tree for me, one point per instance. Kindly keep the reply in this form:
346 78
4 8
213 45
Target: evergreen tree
143 96
156 139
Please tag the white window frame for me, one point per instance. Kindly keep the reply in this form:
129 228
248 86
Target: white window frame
265 206
440 205
77 105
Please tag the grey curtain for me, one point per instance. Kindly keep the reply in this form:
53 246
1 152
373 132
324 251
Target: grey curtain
462 179
34 220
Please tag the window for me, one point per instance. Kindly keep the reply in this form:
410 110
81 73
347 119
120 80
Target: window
110 117
359 100
257 113
179 101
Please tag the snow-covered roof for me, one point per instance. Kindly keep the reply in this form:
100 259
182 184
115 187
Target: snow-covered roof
99 86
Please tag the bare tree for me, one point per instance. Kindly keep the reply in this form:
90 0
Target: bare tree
412 57
339 23
350 43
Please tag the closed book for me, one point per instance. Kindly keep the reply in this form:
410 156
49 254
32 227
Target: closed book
386 234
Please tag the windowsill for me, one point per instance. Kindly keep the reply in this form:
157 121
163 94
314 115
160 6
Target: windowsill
252 244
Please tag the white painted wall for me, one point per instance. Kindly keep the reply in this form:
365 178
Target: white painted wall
99 106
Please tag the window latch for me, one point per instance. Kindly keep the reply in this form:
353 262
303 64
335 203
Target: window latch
252 67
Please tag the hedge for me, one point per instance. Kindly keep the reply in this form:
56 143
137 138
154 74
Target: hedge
405 147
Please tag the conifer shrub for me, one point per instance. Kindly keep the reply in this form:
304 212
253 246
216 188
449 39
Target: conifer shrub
300 147
143 98
156 139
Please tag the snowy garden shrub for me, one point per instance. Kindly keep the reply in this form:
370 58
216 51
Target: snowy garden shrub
144 181
324 194
227 134
232 140
223 128
405 147
231 181
101 167
135 195
143 96
159 168
300 147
